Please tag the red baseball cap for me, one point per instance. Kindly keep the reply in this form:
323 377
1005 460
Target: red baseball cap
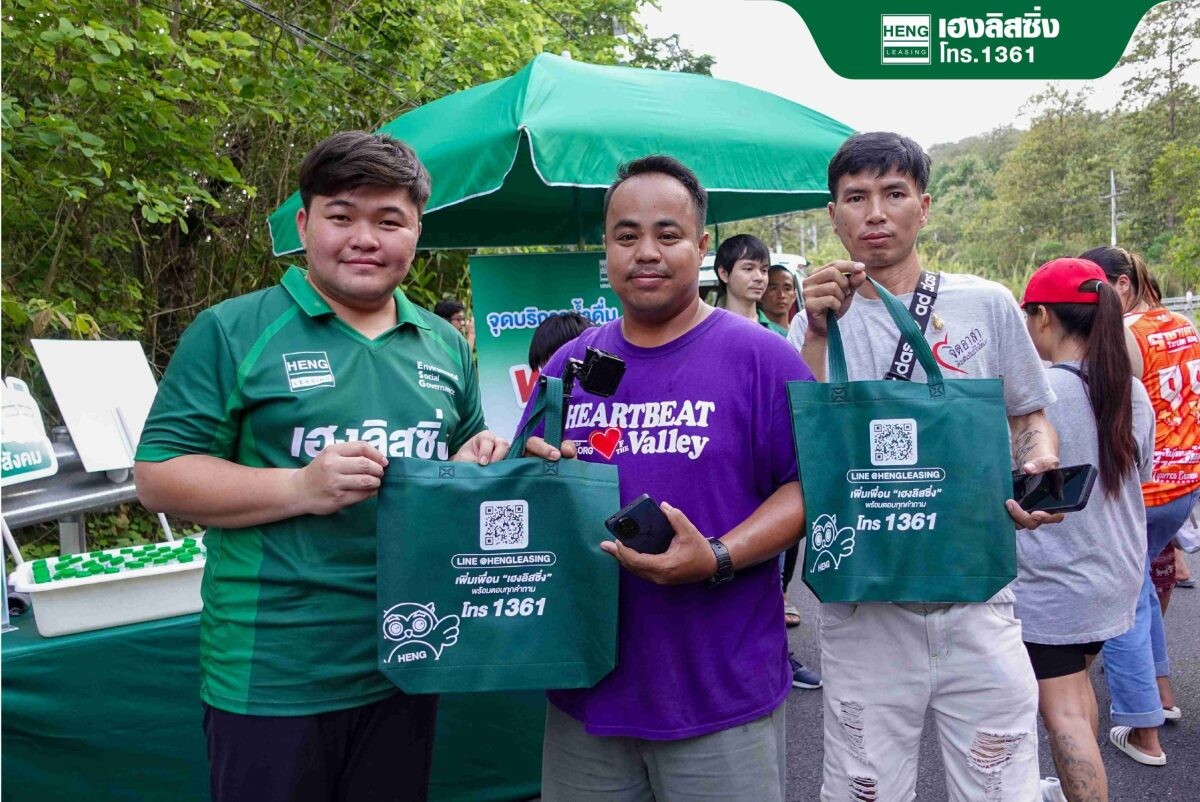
1064 281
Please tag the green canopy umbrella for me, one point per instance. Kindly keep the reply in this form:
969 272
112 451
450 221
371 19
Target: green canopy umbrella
525 160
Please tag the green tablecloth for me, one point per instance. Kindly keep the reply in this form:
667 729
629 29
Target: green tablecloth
115 715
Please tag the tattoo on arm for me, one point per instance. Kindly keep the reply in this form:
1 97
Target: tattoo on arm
1023 443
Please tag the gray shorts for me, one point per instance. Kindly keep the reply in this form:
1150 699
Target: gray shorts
745 762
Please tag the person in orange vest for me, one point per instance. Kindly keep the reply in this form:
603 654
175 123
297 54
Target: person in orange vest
1164 349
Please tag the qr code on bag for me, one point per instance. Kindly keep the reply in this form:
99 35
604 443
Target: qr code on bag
894 441
503 525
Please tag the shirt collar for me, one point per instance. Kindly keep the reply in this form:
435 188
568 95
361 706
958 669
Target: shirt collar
295 281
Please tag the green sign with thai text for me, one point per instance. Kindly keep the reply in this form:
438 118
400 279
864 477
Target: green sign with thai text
26 453
512 295
943 39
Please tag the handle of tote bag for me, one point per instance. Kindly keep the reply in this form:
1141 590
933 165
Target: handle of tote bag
908 330
549 407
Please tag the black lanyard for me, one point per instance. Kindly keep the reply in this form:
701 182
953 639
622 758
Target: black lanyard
921 309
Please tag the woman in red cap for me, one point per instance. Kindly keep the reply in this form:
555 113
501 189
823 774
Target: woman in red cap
1164 348
1078 581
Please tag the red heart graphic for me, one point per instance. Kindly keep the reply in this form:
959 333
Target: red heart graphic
605 442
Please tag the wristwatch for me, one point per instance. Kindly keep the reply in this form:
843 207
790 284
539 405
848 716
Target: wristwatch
724 564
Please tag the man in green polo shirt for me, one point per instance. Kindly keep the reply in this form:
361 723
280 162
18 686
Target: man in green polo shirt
272 426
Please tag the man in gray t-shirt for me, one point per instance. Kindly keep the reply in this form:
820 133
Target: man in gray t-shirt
885 665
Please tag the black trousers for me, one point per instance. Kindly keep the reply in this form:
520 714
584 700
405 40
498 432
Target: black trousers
381 752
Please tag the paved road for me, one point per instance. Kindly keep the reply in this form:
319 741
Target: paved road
1128 781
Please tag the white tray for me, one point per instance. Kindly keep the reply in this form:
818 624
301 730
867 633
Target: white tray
66 606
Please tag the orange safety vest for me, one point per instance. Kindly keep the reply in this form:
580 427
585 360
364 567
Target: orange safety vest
1170 349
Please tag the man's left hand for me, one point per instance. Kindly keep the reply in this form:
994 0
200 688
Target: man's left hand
688 559
482 449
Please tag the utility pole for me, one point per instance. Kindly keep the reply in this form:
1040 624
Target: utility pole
1111 197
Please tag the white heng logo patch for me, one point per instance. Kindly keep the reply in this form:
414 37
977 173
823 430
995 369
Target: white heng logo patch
307 370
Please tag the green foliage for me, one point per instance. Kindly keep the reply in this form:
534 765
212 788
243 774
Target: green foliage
1002 212
144 143
1009 200
1175 174
961 185
1160 54
1046 193
666 53
436 275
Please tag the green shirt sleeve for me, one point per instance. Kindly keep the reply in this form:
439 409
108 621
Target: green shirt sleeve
197 407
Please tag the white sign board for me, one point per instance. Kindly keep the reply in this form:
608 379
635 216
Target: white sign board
104 389
5 626
26 452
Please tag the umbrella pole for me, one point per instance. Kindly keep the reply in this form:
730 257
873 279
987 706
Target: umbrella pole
579 244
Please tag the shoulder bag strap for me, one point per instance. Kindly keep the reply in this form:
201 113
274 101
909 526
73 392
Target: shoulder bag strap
1137 450
909 333
914 337
921 310
549 407
1070 369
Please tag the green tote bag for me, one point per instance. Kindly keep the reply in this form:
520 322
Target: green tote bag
904 483
491 578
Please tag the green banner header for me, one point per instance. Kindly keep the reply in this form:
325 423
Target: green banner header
941 39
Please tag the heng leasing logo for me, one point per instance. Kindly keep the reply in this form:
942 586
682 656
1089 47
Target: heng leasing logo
905 39
308 369
989 39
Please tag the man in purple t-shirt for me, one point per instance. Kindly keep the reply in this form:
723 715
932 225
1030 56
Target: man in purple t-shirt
701 422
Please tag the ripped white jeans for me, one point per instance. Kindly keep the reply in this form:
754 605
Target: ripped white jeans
884 665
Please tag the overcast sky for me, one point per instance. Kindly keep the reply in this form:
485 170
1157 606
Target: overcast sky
765 44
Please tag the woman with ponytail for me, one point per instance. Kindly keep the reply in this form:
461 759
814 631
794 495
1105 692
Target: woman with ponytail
1078 581
1164 349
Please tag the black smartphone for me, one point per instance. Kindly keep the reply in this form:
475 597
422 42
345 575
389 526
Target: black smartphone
642 526
1062 490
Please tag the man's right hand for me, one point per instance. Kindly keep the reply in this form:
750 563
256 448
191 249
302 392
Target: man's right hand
831 287
341 475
